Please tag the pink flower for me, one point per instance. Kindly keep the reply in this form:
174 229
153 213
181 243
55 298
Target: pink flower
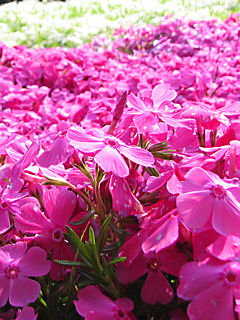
211 286
49 227
209 202
152 106
15 266
92 305
109 150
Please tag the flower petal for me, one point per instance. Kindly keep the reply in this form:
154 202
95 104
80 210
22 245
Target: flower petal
22 291
156 288
85 142
164 235
111 161
4 290
215 303
34 263
137 155
91 299
195 210
161 93
226 219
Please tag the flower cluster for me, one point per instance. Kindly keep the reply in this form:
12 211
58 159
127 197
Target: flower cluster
119 176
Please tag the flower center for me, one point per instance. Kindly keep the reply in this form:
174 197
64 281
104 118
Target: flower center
153 265
112 142
4 205
11 272
118 314
218 191
57 235
231 276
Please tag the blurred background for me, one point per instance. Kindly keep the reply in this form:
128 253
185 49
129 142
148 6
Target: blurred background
71 23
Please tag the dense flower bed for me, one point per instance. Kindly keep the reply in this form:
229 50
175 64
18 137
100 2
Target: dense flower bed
120 176
74 22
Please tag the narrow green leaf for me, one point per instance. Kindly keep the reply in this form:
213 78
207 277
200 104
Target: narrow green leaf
83 220
70 263
101 232
117 260
77 245
92 237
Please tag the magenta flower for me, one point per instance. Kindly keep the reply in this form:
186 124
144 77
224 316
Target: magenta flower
92 305
49 227
209 202
16 265
212 287
156 287
109 150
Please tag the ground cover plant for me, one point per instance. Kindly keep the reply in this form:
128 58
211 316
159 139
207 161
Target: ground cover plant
72 23
119 176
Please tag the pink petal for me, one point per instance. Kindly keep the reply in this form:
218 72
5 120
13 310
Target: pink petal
156 288
27 313
171 260
23 291
155 183
226 219
164 235
196 278
4 221
91 299
49 199
85 142
225 248
111 161
34 263
215 303
137 155
63 207
57 153
136 103
10 252
4 290
100 315
127 273
161 93
148 123
31 219
124 304
196 179
195 210
123 199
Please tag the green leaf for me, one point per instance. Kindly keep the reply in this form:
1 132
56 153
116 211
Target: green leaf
117 260
92 237
101 232
70 263
83 220
78 246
